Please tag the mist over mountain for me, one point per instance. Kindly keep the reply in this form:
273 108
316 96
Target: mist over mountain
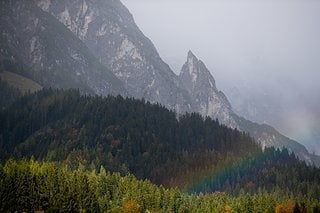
105 46
272 60
92 119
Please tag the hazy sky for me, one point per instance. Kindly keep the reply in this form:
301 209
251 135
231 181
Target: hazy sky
273 45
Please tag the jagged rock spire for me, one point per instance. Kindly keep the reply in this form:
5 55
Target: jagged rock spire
194 73
198 81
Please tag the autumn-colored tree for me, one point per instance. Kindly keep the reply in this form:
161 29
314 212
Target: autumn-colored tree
131 206
227 209
287 207
278 208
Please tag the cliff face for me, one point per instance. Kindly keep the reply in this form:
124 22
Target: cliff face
47 52
200 84
108 29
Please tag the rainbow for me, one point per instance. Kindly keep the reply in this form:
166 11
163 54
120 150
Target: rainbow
219 175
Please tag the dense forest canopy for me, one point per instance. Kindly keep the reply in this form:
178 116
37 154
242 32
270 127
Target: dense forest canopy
30 186
60 125
195 154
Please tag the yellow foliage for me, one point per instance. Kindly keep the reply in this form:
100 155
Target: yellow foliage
131 207
227 209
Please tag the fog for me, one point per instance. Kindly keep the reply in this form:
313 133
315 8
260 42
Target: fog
264 47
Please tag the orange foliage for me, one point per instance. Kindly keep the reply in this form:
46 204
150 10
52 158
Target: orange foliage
278 208
287 207
131 207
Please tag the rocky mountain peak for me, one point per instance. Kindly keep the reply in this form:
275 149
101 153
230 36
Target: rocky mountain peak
199 82
194 65
191 56
107 28
194 73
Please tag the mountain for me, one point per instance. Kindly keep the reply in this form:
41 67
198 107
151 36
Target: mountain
200 84
109 31
96 43
37 46
257 104
268 136
293 114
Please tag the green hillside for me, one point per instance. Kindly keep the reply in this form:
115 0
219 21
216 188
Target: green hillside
19 82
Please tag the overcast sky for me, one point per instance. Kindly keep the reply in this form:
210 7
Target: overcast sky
245 43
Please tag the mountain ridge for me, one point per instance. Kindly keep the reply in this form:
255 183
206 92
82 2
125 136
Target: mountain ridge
200 84
37 46
103 34
126 50
195 76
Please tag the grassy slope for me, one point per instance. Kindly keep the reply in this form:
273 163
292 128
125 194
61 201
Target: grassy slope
17 81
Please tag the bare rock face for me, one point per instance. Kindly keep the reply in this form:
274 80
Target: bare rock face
200 84
36 45
109 31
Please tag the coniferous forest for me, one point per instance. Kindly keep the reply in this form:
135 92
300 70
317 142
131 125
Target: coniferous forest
61 150
29 186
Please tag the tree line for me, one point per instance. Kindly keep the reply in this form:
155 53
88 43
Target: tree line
29 186
151 142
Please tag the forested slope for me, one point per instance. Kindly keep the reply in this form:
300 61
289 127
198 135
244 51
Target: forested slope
133 136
